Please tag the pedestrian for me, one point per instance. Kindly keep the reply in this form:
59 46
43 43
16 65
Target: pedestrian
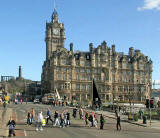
39 122
90 120
95 120
65 117
21 100
102 121
86 117
11 123
62 120
28 118
118 122
53 103
59 103
4 104
68 118
56 119
80 113
32 115
74 112
49 117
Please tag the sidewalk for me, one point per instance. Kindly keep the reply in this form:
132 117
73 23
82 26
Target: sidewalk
154 123
5 115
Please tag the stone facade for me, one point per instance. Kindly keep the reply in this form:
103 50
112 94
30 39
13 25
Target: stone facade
117 76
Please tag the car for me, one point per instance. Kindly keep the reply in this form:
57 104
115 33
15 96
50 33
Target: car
36 101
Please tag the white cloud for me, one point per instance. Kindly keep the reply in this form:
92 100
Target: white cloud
149 5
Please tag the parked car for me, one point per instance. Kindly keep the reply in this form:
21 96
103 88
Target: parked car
36 101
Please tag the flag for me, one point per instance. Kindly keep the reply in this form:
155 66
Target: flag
96 98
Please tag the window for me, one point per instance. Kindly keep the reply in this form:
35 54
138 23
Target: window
82 70
66 86
83 77
64 61
88 57
58 76
88 87
58 69
77 63
70 70
88 70
77 70
77 56
95 71
88 77
70 77
77 77
77 86
64 76
88 64
124 65
82 63
64 69
83 87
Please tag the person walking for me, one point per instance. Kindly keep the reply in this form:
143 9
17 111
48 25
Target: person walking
101 121
11 123
21 100
28 118
74 112
32 115
86 117
81 113
39 122
95 120
62 120
56 119
49 117
118 122
4 104
68 118
91 120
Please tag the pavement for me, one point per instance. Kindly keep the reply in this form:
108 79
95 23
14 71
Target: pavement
5 115
155 124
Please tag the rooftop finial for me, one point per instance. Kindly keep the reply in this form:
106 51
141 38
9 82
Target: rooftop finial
55 14
54 4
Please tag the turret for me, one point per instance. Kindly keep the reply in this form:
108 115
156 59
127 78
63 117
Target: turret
71 47
91 48
131 52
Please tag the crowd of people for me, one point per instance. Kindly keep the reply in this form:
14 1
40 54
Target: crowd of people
61 119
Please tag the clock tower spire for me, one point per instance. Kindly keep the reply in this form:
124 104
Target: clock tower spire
55 14
55 34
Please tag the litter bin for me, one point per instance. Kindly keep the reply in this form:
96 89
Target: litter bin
144 120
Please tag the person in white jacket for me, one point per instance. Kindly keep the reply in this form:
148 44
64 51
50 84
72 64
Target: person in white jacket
39 122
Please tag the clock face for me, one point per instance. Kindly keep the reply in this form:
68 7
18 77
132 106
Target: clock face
55 31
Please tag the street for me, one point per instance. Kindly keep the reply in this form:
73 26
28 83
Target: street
77 128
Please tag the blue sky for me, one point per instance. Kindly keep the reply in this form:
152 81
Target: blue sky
124 23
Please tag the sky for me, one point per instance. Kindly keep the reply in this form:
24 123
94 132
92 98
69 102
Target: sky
125 23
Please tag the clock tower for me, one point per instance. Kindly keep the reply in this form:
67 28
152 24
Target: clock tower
55 35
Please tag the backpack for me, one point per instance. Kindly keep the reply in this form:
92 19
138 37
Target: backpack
11 126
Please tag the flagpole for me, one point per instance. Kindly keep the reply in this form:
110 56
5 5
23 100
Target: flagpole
92 94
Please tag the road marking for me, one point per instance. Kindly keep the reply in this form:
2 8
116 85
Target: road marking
25 134
22 111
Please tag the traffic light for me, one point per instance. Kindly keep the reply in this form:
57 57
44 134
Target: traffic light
147 103
151 103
